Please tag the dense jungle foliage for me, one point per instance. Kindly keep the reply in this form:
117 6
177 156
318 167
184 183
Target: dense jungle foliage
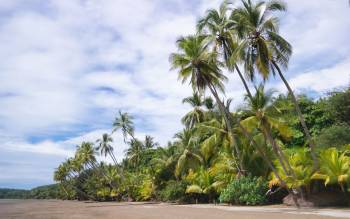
272 143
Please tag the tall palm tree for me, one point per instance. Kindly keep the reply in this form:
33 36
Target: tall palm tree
125 123
264 49
262 116
221 31
196 63
105 147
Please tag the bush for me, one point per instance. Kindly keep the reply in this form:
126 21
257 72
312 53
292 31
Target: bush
146 190
334 136
173 191
246 190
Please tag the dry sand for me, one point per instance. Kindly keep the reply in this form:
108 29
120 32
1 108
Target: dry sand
52 209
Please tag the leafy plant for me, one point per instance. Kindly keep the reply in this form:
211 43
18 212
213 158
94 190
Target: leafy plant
246 190
173 191
301 163
334 168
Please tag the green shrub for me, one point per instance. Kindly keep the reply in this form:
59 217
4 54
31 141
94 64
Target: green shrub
146 190
334 136
173 191
246 190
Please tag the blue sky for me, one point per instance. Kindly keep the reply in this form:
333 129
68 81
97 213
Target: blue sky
67 66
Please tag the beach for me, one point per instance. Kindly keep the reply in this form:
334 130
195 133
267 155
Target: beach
58 209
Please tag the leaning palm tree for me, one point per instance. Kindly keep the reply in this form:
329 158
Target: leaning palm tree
220 29
60 175
87 154
197 63
263 116
125 123
264 49
105 147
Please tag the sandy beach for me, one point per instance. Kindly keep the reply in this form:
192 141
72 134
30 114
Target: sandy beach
57 209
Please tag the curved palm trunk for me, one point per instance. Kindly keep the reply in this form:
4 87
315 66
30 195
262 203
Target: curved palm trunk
132 136
301 117
113 157
229 53
281 156
64 189
269 137
244 82
229 127
72 177
101 173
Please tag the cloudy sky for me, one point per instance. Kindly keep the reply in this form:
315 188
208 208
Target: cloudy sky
67 66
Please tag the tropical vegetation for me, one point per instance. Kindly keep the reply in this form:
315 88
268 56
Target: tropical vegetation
235 154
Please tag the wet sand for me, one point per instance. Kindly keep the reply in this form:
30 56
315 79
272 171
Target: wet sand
57 209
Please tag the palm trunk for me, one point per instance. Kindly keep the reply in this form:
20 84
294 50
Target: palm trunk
229 127
248 136
64 189
282 157
269 137
113 158
79 190
244 82
132 136
301 117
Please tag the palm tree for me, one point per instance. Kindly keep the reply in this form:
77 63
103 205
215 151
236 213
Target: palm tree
68 170
202 182
264 49
149 142
125 123
105 147
196 63
221 31
197 114
262 116
87 154
134 152
60 175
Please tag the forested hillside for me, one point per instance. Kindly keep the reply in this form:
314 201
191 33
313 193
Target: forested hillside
41 192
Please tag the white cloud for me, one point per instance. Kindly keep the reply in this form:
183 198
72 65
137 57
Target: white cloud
44 147
322 80
318 32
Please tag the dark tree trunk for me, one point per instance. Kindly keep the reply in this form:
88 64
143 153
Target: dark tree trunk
301 117
229 127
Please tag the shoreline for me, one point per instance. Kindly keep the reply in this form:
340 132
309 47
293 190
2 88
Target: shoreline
52 208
